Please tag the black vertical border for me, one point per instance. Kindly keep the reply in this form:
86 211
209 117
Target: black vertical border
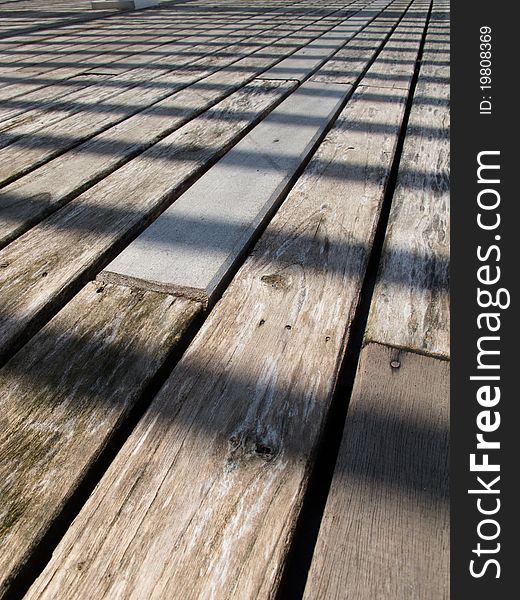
471 133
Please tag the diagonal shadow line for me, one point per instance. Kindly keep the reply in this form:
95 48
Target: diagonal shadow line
240 158
422 432
351 13
263 13
287 36
10 139
77 384
66 19
111 106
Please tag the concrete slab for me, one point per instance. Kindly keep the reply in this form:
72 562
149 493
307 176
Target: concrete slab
122 4
191 247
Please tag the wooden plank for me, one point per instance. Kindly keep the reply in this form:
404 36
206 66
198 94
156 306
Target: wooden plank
61 39
400 54
65 394
123 4
411 300
307 60
31 23
41 269
141 39
345 66
202 499
80 43
26 201
103 59
385 531
392 467
56 102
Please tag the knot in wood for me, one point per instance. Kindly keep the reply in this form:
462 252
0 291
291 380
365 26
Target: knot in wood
278 282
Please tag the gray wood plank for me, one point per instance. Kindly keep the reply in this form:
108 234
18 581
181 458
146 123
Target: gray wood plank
139 38
385 531
105 106
304 62
397 61
65 394
108 62
41 268
202 500
29 199
56 102
23 55
345 66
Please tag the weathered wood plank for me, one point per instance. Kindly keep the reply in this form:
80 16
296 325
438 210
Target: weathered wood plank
307 60
29 199
65 394
219 464
56 102
411 299
137 41
398 59
398 56
34 22
73 39
40 268
204 23
78 44
385 531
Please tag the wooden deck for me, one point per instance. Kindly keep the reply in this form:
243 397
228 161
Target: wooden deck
224 309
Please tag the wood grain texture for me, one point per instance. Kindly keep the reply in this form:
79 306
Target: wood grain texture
63 396
202 500
411 298
307 60
31 198
396 64
40 269
385 531
63 67
95 57
192 247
